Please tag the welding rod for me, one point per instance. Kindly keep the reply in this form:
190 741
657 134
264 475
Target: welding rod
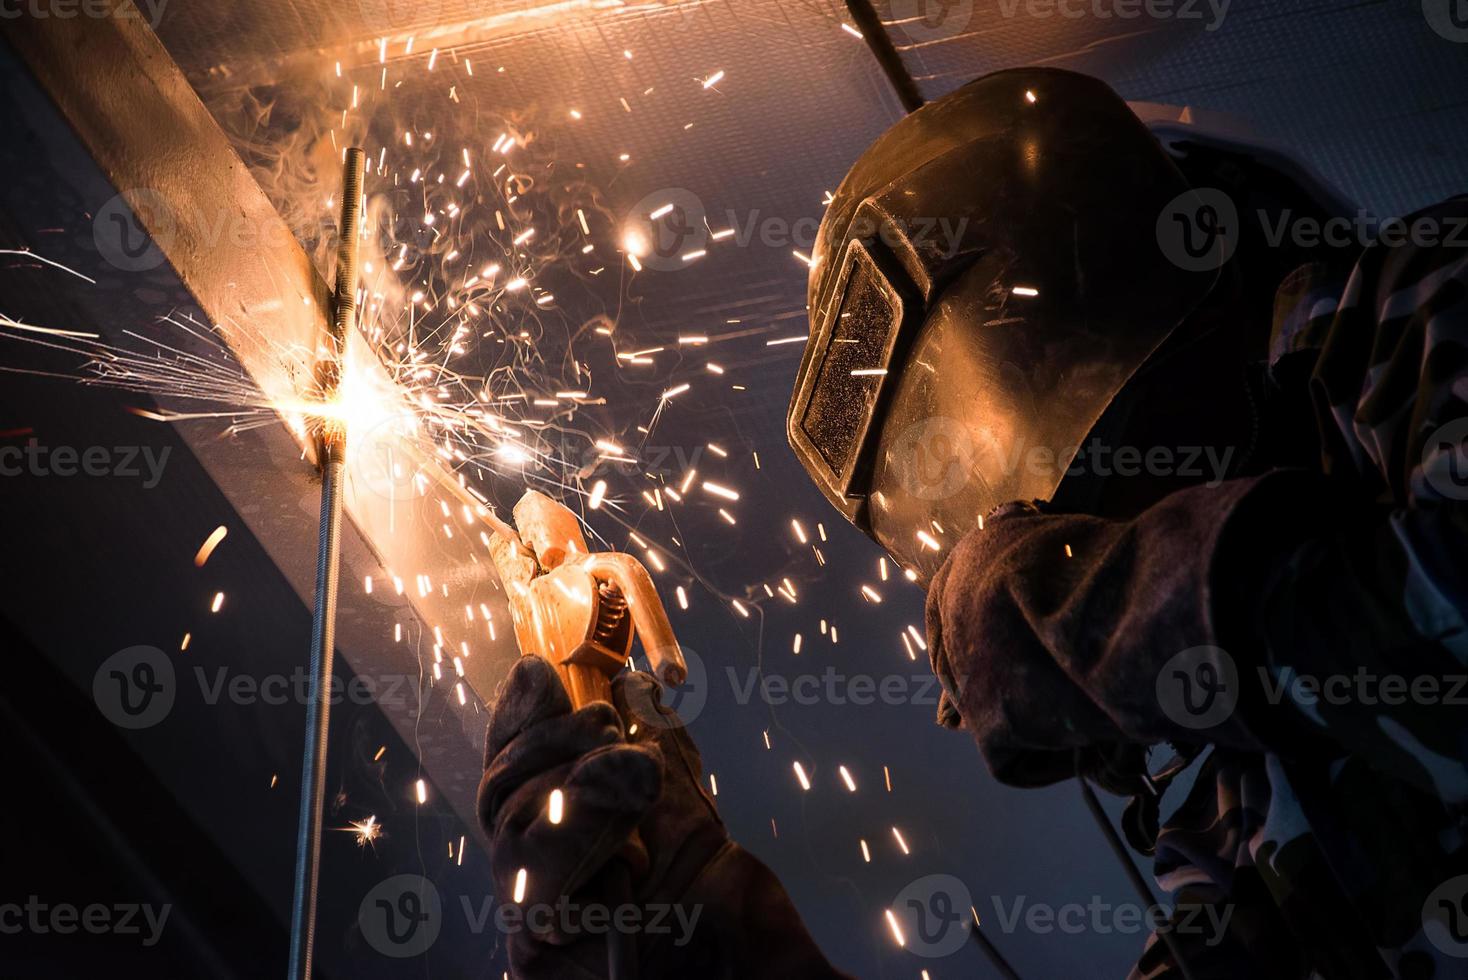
874 33
331 454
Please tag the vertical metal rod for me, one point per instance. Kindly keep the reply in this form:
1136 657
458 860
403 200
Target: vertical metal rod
331 452
874 33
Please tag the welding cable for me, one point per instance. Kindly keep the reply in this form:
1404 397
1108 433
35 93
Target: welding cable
874 33
1138 883
621 946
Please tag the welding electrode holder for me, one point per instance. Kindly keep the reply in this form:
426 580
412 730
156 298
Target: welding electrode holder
580 610
331 447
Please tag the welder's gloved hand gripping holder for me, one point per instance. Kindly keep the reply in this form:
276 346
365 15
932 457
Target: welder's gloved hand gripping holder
1049 631
633 797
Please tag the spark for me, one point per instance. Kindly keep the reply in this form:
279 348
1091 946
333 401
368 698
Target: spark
896 929
50 262
368 831
522 878
718 490
210 543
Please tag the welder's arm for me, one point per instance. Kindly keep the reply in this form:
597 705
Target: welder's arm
632 837
1057 632
1050 631
1332 597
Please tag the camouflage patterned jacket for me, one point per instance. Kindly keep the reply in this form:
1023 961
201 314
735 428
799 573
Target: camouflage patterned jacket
1301 627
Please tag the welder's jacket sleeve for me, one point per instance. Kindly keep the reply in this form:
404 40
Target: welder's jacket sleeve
1051 631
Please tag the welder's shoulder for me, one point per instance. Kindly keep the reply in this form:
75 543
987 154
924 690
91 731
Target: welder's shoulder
1391 383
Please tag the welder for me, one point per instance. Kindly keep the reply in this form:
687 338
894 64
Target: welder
1115 297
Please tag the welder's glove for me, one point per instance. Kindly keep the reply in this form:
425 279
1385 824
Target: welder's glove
639 842
1049 631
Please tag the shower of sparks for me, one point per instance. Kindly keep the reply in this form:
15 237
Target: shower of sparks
488 385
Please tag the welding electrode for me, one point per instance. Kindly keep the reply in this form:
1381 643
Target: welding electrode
331 446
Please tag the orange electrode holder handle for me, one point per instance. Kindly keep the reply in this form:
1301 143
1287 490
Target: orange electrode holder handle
579 610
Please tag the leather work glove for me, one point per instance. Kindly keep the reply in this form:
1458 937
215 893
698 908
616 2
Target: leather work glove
639 862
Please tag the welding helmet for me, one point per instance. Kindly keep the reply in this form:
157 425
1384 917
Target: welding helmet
986 279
